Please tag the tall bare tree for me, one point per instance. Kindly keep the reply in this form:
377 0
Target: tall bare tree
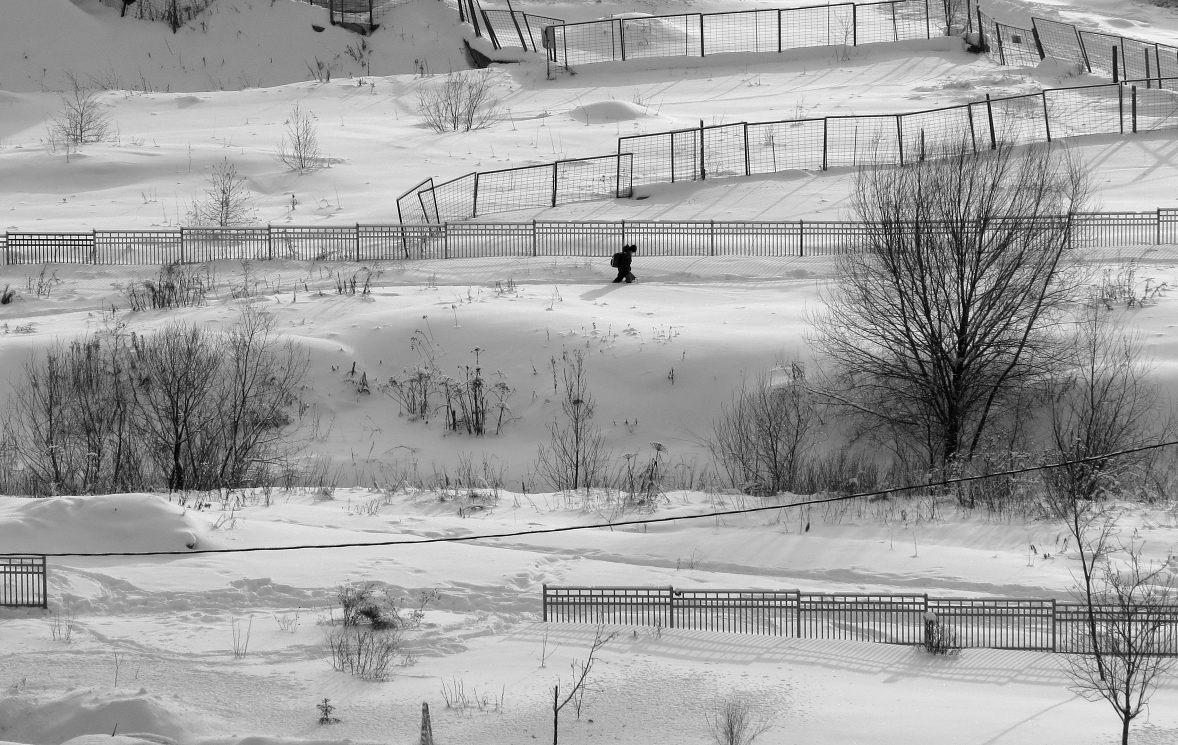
576 454
952 304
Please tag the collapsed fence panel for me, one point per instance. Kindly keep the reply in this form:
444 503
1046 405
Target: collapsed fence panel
515 189
1010 45
1098 49
412 209
743 31
786 146
452 200
1061 41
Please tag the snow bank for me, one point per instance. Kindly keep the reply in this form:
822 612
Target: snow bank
118 522
79 715
609 112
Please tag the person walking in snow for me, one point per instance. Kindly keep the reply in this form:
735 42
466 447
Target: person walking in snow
621 261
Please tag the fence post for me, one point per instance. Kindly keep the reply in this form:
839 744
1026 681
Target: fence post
94 246
544 603
779 30
1046 116
514 22
1053 622
1083 49
44 582
824 139
712 238
981 32
181 244
445 240
1134 92
896 28
623 232
670 607
1001 51
1116 67
357 242
900 137
622 37
990 117
1158 236
854 24
973 135
801 237
747 164
1038 44
703 173
554 169
371 20
1121 105
535 249
928 28
330 12
474 205
1148 73
701 35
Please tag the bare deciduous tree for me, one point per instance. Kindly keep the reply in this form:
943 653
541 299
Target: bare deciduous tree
82 119
576 455
299 147
1131 645
952 304
580 682
765 432
226 202
461 102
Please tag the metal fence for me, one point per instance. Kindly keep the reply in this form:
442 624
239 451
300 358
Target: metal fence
23 581
454 240
753 148
995 623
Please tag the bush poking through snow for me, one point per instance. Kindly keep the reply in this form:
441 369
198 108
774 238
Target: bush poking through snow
81 119
735 723
8 295
364 652
325 712
299 147
176 286
226 202
362 604
460 103
576 455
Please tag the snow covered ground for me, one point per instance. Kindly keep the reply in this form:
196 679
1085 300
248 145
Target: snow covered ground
151 651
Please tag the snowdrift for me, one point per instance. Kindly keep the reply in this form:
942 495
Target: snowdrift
117 522
80 715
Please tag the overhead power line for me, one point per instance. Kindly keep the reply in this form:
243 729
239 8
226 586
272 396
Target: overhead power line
618 523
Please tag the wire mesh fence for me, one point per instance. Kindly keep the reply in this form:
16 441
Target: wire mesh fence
993 623
173 12
468 239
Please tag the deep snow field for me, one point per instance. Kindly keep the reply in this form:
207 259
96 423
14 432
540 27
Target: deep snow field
151 648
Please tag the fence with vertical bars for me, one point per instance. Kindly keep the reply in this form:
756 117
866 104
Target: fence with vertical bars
993 623
23 581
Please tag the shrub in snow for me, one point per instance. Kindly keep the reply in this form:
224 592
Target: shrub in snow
363 651
176 286
81 120
226 203
460 103
299 147
576 455
734 722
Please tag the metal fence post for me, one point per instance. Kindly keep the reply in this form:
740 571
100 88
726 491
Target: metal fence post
1001 50
1116 68
535 250
854 24
896 27
747 165
44 582
824 139
474 205
1038 43
554 169
1083 49
357 241
801 237
779 30
621 37
1046 116
1134 92
544 603
712 238
981 32
973 135
1053 622
701 35
181 244
670 607
703 173
445 240
1158 235
990 118
1121 105
900 138
94 246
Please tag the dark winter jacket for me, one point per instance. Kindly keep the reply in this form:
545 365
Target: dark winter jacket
622 260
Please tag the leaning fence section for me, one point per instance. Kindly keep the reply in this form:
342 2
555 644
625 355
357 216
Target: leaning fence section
994 623
23 581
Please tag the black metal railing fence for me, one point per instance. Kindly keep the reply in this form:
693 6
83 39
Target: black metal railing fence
23 581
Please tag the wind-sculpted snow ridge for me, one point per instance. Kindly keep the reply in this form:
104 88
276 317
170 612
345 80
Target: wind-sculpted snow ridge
95 523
